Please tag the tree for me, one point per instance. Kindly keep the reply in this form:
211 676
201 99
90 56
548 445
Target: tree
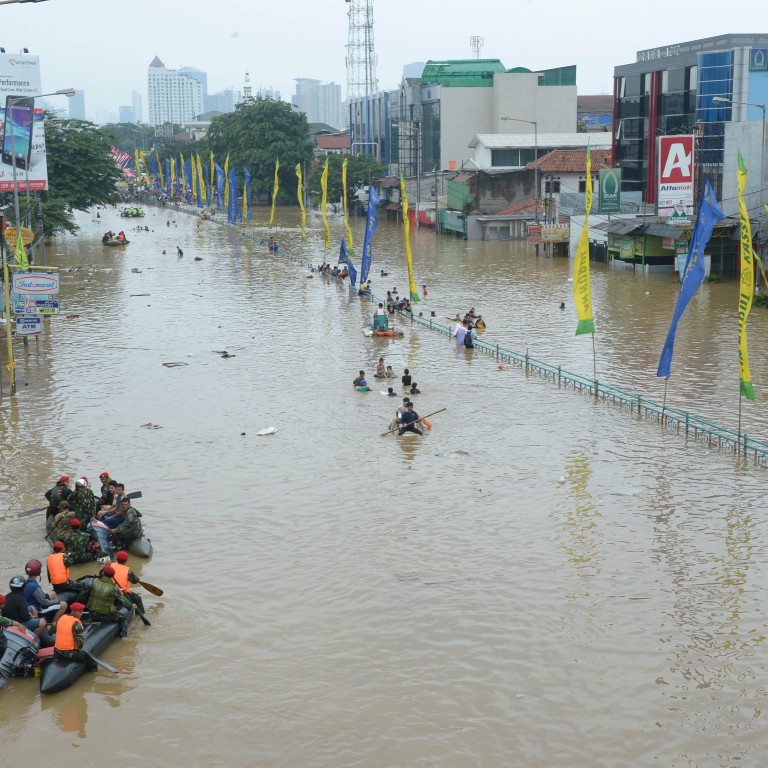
361 171
81 172
256 135
128 137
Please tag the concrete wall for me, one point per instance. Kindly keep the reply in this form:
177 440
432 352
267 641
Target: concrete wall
746 138
463 113
520 96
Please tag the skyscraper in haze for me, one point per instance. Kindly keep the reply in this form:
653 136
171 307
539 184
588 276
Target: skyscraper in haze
77 106
137 111
320 102
175 96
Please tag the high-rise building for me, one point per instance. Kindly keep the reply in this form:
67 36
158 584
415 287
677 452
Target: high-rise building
137 111
77 106
126 114
223 101
320 102
175 96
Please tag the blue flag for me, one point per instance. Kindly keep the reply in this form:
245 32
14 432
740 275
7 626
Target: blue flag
350 266
371 223
343 251
233 209
709 214
219 183
168 176
247 193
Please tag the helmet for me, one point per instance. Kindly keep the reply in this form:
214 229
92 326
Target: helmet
81 480
17 582
33 568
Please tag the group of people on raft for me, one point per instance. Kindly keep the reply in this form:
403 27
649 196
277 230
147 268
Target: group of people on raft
110 237
107 597
338 271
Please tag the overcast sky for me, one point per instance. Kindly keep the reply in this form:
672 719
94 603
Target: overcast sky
104 47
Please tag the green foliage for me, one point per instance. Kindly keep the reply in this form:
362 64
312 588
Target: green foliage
713 278
761 300
361 171
81 173
255 136
128 137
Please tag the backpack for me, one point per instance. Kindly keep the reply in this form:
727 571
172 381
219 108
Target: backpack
468 339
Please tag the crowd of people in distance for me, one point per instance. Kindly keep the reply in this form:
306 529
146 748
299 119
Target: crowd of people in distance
466 329
338 271
110 236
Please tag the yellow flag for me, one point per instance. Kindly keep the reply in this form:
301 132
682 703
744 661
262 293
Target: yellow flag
582 291
193 169
746 286
21 253
226 183
324 203
138 166
275 189
173 176
412 287
160 170
300 195
201 180
346 217
244 211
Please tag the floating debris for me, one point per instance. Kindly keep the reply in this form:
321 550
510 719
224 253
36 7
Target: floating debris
267 431
150 425
174 365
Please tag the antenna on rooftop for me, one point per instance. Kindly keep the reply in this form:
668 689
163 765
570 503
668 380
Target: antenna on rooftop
476 44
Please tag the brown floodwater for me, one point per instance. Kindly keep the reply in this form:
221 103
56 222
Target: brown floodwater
542 580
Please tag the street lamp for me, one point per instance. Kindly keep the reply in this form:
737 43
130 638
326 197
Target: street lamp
723 100
535 125
10 103
8 2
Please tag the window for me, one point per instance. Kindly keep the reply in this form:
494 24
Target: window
552 187
582 185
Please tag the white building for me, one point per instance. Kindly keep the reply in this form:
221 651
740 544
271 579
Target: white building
320 102
513 151
174 96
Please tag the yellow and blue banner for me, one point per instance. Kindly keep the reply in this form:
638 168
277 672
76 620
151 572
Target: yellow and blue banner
371 225
693 274
226 182
300 196
324 203
275 190
582 290
412 288
746 285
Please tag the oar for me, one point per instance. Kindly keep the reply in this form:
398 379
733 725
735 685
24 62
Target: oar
151 588
421 418
140 614
101 663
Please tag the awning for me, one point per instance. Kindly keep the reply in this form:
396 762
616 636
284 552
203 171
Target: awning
392 207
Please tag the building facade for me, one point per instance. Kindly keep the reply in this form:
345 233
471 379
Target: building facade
320 102
77 106
174 96
702 88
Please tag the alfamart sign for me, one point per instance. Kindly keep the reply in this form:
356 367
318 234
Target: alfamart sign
676 178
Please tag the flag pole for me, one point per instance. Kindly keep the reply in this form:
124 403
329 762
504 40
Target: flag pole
594 358
738 430
664 401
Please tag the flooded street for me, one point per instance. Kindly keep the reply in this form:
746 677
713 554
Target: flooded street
542 580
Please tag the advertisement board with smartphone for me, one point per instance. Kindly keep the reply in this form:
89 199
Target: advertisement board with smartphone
21 124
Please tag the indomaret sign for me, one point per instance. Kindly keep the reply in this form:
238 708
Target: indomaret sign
676 182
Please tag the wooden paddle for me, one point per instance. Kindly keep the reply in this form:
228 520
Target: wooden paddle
421 418
152 588
101 663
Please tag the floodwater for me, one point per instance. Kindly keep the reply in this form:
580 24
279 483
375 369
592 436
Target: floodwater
540 581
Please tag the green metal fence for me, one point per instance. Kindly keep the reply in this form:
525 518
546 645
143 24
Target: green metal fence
691 426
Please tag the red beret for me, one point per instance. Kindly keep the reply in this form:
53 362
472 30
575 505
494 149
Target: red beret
75 523
122 556
109 570
64 479
77 607
104 474
58 545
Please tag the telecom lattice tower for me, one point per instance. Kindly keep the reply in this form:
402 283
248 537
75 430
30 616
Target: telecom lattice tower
476 44
361 56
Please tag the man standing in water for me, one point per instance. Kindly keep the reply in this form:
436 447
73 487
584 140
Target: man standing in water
459 332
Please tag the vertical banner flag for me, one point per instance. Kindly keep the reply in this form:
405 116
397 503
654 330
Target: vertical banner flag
226 181
138 166
183 173
246 195
233 210
709 214
350 265
371 223
348 231
201 181
172 175
190 181
343 251
153 167
21 253
211 189
300 195
168 176
193 174
412 288
324 203
746 286
160 170
275 190
582 291
219 184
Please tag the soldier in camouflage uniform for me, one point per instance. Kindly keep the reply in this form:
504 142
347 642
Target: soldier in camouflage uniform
62 523
129 528
83 501
61 491
80 545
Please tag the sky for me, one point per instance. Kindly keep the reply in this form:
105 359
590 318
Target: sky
104 47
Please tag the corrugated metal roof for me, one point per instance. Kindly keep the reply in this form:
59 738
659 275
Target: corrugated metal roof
545 140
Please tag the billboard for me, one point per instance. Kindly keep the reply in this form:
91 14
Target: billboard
610 190
23 138
676 182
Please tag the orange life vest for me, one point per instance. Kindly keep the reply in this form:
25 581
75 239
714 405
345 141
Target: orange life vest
121 576
65 637
58 573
